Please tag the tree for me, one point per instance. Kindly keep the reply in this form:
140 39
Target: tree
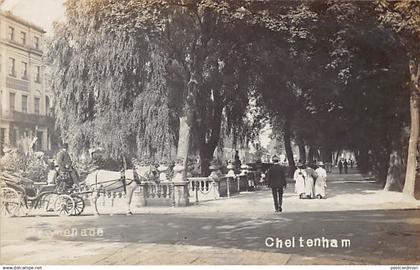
403 17
109 85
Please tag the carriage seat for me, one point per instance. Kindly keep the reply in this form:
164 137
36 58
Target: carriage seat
44 186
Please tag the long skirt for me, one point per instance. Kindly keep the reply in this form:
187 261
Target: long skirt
300 186
320 187
309 187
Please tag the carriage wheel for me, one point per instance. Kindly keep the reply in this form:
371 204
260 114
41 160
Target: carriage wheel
79 205
10 202
64 205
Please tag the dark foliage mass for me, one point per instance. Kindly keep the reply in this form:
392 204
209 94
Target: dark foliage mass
330 75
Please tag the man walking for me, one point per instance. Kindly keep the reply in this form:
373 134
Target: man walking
276 180
340 166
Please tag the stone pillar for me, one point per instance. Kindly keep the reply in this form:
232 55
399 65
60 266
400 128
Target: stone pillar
178 171
214 176
230 176
140 195
180 187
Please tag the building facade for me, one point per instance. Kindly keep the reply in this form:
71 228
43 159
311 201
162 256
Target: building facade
25 114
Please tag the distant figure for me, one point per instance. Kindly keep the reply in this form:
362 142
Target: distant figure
52 174
351 163
346 166
340 166
237 162
300 176
310 182
276 179
321 181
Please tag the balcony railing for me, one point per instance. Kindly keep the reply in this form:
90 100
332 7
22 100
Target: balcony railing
26 117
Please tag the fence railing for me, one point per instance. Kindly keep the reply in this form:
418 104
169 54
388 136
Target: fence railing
181 193
163 193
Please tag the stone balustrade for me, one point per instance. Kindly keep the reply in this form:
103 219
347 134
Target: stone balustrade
202 189
177 193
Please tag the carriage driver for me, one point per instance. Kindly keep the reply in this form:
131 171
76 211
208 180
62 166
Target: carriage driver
65 164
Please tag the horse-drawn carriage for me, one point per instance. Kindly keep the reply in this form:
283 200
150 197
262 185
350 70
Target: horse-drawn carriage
18 193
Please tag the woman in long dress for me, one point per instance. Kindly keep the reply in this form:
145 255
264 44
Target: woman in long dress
321 181
309 183
300 176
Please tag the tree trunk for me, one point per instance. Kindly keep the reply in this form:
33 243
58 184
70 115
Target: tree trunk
184 142
363 160
288 146
395 172
302 150
337 157
410 176
206 156
313 154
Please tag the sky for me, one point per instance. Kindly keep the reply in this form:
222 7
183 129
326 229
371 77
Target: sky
39 12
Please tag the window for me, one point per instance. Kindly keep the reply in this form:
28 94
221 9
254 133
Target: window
12 67
12 101
24 70
14 135
36 109
23 38
38 74
47 105
2 139
24 104
36 42
11 33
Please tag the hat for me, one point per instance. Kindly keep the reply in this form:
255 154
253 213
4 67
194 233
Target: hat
321 163
299 164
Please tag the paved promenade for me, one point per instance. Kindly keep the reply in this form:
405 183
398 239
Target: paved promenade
383 228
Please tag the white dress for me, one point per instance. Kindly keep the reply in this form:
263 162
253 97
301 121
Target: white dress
309 182
321 182
299 176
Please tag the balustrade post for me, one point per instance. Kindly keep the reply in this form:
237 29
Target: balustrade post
230 175
181 193
141 194
197 186
173 194
214 176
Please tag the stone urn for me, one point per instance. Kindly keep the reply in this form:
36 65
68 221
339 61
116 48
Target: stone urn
163 170
214 174
178 171
231 169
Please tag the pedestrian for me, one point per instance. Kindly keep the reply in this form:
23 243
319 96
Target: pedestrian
351 163
346 166
276 179
237 162
299 177
310 182
321 181
340 166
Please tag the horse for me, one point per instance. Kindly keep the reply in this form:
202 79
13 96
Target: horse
117 181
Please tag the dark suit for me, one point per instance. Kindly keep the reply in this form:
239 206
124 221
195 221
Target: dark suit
65 164
276 179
